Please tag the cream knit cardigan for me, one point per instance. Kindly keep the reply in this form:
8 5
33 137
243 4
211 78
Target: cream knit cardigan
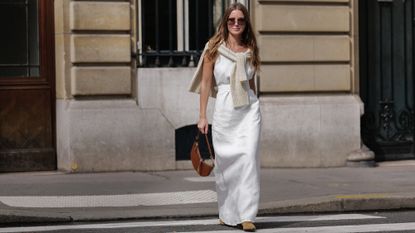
238 81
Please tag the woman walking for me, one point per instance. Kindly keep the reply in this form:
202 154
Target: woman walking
226 71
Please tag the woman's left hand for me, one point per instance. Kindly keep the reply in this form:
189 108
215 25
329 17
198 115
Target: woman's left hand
203 125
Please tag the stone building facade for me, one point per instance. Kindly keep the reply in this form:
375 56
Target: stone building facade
112 114
309 82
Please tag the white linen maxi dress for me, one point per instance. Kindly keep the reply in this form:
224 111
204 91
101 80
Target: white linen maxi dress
235 135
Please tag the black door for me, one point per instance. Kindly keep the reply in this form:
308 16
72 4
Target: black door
27 101
387 78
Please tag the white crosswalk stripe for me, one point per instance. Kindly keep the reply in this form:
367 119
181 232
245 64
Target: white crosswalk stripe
304 218
332 229
200 179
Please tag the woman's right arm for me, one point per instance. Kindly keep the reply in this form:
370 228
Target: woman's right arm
205 86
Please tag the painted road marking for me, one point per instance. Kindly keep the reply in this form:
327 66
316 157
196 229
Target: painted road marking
362 196
201 179
125 200
313 218
185 223
330 229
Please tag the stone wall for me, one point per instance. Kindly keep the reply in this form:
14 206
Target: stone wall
112 116
308 81
94 44
95 75
306 46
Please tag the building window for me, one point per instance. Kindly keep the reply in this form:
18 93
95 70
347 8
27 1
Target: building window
172 33
201 26
19 40
159 19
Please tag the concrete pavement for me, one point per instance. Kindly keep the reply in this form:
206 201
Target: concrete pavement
60 197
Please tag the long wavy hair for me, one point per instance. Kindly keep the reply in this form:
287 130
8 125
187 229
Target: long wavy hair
222 34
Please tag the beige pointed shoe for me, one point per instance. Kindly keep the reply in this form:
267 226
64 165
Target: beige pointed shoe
248 226
221 222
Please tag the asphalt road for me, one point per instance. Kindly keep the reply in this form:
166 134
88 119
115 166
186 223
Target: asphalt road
398 221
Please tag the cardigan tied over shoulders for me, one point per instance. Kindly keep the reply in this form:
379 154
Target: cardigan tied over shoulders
197 76
239 85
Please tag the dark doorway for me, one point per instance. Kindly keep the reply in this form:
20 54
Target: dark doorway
27 96
387 77
185 137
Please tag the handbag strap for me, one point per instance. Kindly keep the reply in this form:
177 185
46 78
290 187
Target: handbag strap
208 144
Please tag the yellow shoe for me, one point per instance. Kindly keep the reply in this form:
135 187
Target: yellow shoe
248 226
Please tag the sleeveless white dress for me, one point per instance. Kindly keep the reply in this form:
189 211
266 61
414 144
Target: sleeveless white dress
235 135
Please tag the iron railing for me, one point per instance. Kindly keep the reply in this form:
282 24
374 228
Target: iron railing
169 59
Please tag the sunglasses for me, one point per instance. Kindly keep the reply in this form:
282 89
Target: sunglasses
234 21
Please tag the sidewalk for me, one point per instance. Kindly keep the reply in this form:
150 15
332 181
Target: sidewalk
59 197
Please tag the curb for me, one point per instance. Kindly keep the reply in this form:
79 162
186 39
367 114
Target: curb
326 204
22 216
341 203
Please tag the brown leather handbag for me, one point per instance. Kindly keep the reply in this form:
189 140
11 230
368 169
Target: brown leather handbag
202 166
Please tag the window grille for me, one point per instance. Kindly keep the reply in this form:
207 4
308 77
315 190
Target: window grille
174 32
19 40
